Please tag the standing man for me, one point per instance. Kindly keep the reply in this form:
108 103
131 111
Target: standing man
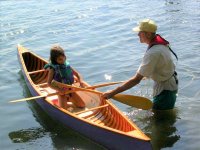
157 64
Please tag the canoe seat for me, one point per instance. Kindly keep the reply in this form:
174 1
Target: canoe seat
89 111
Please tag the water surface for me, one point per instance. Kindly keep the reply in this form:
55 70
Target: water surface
98 40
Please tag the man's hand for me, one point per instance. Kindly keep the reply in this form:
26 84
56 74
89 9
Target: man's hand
107 95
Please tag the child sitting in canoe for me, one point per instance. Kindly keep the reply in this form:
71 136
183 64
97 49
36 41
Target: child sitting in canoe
61 71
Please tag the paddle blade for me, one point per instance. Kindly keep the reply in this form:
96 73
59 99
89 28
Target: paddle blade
134 101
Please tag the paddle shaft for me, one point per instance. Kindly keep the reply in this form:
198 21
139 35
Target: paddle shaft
42 96
104 84
131 100
52 94
37 97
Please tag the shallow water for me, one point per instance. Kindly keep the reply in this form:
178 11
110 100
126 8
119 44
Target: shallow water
99 43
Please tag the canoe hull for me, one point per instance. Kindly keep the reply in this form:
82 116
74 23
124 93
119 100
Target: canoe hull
113 141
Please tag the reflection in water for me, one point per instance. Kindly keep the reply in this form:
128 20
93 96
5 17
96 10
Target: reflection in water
158 125
163 129
26 135
62 137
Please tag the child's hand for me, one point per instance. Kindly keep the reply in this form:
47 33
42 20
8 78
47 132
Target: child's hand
61 92
82 84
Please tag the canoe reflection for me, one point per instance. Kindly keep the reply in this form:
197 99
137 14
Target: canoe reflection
26 135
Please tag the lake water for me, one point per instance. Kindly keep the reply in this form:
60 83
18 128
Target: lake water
98 39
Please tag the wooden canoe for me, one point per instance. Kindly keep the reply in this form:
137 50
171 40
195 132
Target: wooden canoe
100 121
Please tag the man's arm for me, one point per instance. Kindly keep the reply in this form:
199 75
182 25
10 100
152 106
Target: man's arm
127 85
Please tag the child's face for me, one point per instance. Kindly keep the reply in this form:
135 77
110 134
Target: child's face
60 59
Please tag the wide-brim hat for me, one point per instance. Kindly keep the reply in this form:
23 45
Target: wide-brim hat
146 25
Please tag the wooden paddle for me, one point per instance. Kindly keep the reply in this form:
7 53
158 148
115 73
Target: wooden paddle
134 101
103 84
131 100
36 97
94 86
42 96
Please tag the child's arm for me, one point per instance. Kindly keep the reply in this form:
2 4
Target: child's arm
77 74
80 79
49 80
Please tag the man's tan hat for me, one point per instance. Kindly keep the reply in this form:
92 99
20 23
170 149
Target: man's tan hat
146 25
